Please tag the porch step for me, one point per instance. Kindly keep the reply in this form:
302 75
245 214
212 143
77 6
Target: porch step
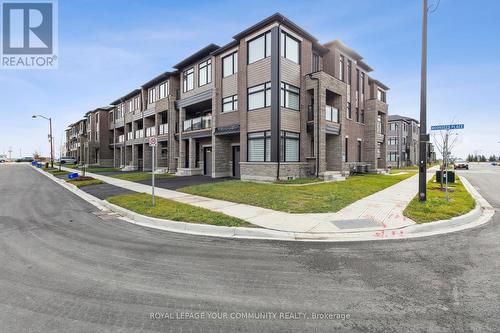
333 176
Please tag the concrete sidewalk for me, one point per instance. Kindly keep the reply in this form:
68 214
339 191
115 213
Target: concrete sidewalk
380 211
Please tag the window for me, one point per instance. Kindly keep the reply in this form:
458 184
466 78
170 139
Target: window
188 79
404 140
259 147
357 115
259 48
349 111
341 68
230 64
290 96
332 114
393 141
289 146
316 62
357 80
164 90
379 124
290 47
131 105
349 72
136 103
393 127
393 157
259 96
205 72
152 95
381 95
230 103
363 83
362 116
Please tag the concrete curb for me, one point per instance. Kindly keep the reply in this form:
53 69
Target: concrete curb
480 215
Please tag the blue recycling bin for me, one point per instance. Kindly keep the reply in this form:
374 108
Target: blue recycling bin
33 163
72 175
39 165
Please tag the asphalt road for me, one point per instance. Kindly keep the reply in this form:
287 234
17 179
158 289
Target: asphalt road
66 268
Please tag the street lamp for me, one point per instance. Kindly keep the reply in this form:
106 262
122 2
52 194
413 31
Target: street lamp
50 137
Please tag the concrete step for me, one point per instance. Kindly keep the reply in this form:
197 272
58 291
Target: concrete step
333 176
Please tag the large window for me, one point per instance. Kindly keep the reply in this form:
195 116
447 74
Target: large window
346 151
332 114
151 95
349 71
393 127
379 124
164 89
259 96
290 47
230 64
136 103
393 157
259 147
188 79
393 142
316 62
341 68
381 95
259 48
205 72
290 96
230 103
289 146
362 83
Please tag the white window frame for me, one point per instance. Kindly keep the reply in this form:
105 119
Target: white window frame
233 63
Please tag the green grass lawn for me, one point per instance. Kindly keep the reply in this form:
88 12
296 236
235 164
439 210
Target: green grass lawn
314 198
140 176
436 207
300 181
58 173
175 211
403 169
84 181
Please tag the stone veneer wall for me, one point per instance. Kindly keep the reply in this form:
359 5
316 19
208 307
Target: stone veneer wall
266 171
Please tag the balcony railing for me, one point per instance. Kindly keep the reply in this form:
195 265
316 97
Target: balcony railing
139 134
197 123
121 138
163 129
130 136
150 131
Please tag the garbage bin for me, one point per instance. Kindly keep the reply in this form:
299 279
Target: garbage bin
450 175
46 165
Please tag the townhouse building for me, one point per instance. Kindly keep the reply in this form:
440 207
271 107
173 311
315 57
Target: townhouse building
402 141
272 103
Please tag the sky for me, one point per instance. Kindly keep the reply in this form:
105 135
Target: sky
108 48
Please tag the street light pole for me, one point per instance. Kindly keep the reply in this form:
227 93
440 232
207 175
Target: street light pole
51 139
422 173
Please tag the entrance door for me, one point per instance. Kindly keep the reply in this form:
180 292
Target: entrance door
236 161
207 161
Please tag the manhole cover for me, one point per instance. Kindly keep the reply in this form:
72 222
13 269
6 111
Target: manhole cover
354 224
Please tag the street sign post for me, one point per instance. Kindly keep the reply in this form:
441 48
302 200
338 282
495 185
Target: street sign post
153 142
446 149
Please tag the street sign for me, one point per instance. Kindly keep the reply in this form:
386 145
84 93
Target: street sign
447 127
153 141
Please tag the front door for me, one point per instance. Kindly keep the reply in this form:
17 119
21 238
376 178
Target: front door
236 161
207 161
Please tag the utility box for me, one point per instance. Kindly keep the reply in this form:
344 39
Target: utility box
450 175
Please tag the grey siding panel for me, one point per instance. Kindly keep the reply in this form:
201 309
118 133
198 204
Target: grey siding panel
290 72
207 94
259 120
259 72
230 85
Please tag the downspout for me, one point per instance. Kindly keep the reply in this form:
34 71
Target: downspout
279 100
317 123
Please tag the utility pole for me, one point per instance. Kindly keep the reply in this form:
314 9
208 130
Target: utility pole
424 138
51 139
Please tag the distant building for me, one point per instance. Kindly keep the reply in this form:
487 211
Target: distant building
402 141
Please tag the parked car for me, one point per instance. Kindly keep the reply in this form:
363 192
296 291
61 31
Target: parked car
461 165
67 160
3 159
25 159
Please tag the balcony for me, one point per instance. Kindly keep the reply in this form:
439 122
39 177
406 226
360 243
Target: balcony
121 138
163 129
139 134
130 136
196 124
150 131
